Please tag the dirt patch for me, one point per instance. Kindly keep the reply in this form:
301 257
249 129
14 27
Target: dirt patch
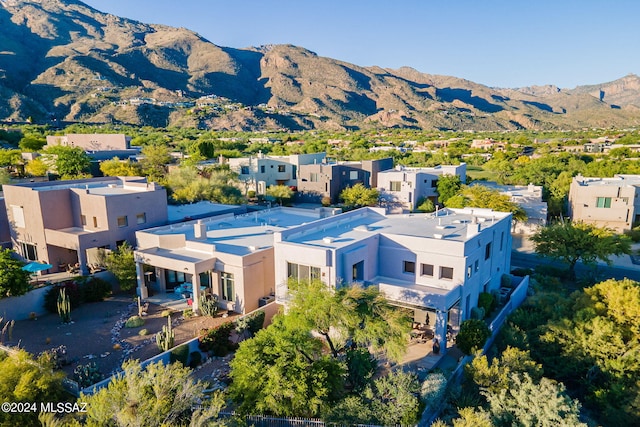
97 334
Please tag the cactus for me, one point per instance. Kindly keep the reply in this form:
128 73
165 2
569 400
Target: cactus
64 306
165 338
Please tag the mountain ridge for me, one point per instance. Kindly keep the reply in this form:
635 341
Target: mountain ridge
63 60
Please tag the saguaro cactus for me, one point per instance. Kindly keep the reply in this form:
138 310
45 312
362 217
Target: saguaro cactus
165 338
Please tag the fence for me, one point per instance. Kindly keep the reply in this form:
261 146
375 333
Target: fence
515 300
269 421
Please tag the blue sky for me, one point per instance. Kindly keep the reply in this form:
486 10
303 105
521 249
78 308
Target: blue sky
501 43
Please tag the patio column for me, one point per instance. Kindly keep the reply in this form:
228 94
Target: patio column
161 279
196 293
82 262
143 292
440 330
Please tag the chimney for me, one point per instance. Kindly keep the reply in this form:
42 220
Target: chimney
473 227
200 230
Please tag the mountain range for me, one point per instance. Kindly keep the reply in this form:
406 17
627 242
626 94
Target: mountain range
63 61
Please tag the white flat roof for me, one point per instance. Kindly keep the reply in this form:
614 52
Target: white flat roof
449 225
240 233
180 212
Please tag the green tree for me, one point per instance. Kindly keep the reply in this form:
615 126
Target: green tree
25 379
448 186
159 395
531 404
37 167
359 196
282 371
154 161
68 162
10 157
496 375
122 264
32 143
571 242
472 336
117 167
14 280
425 205
280 192
479 196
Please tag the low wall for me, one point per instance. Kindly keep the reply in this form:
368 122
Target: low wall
20 308
270 310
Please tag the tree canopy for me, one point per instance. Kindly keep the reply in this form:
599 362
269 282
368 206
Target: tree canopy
359 196
68 162
448 186
479 196
14 280
280 192
571 242
122 264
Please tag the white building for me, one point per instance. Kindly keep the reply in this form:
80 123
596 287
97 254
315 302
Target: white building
529 197
404 187
436 264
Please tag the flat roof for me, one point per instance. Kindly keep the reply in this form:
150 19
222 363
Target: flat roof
241 234
617 180
200 209
447 224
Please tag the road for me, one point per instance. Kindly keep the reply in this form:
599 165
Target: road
531 260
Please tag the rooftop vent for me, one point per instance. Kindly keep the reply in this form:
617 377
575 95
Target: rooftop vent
328 240
363 227
438 236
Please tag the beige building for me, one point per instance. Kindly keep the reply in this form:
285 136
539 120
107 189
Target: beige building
61 222
92 142
229 255
606 202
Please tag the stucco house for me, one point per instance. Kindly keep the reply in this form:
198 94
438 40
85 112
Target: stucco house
64 222
229 255
606 202
434 264
404 187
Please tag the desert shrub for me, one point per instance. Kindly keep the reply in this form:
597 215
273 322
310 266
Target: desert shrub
166 313
72 291
216 340
326 201
143 332
86 375
472 336
487 301
134 322
255 321
195 359
187 313
94 290
209 305
180 354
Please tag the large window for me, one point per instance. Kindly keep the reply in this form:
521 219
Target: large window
409 267
395 185
141 218
446 273
228 288
426 270
29 251
313 177
244 170
123 221
302 272
282 168
603 202
353 175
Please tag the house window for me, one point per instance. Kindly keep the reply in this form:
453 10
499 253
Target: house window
122 221
95 222
476 265
603 202
395 185
409 267
141 218
501 241
313 177
446 273
83 219
426 270
29 251
487 251
302 272
282 168
469 271
434 183
353 175
226 283
262 169
244 170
